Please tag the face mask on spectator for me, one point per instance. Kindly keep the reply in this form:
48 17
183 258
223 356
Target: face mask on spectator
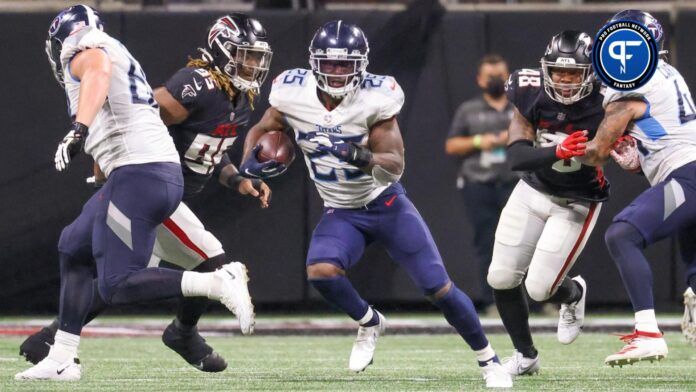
495 87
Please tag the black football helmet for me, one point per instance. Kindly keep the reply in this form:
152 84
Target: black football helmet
66 23
647 20
339 42
569 50
237 46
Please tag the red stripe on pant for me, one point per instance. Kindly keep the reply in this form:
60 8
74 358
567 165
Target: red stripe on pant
583 232
179 234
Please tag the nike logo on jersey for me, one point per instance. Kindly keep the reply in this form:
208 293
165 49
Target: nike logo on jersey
233 277
389 202
198 86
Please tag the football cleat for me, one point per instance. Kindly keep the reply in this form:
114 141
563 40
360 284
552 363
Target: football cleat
519 365
234 294
688 323
35 348
191 346
365 343
572 316
495 376
640 346
50 369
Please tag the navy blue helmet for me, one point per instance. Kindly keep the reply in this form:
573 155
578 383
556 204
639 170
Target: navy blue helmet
338 56
66 23
646 20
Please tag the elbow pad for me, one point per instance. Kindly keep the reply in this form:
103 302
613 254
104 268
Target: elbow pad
383 177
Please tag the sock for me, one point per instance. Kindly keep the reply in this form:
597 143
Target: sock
514 312
461 314
192 308
65 346
486 355
339 292
183 327
370 319
625 244
197 284
569 291
646 321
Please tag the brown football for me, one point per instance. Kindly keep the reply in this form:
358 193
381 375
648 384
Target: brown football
276 145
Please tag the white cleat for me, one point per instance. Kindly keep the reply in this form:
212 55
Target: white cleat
234 294
519 365
50 369
572 316
365 343
496 376
688 323
640 346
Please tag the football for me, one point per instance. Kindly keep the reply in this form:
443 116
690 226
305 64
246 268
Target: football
276 145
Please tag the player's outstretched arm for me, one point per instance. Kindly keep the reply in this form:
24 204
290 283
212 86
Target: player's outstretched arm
171 110
231 178
617 117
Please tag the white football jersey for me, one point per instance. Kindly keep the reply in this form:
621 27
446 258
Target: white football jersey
667 132
128 129
340 185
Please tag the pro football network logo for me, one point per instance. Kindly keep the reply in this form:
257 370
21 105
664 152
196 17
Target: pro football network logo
625 55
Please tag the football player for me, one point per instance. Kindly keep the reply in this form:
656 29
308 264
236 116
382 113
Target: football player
205 105
553 209
116 121
344 121
659 122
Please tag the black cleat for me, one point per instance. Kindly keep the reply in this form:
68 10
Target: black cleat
35 348
192 347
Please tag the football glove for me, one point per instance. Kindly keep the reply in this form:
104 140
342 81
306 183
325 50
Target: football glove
572 146
345 151
625 153
71 145
252 168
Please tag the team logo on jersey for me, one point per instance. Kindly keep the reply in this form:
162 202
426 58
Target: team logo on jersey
625 54
188 91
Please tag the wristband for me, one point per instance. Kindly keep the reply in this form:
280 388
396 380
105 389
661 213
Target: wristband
359 156
477 141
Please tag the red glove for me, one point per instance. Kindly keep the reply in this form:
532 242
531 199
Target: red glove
572 146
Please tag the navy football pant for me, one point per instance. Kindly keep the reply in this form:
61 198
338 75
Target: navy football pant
392 220
666 209
117 229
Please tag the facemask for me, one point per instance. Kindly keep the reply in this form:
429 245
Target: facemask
495 87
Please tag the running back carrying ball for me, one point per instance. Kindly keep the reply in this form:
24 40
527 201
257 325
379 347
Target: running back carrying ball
276 146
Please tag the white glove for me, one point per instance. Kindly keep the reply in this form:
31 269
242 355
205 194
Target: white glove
625 153
71 144
547 139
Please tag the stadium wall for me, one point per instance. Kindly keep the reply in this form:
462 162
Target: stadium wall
431 52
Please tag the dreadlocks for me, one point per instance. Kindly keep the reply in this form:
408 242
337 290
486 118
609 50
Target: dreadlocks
220 80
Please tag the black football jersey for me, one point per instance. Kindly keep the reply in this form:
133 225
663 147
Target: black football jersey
211 128
564 178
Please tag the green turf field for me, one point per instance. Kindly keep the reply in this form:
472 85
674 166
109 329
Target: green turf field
402 363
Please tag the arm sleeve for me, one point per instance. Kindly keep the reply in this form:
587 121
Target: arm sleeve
523 156
460 124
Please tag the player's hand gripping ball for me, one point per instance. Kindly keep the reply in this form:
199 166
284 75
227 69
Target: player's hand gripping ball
271 157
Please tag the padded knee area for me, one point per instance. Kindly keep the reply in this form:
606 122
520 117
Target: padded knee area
538 291
323 271
503 279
